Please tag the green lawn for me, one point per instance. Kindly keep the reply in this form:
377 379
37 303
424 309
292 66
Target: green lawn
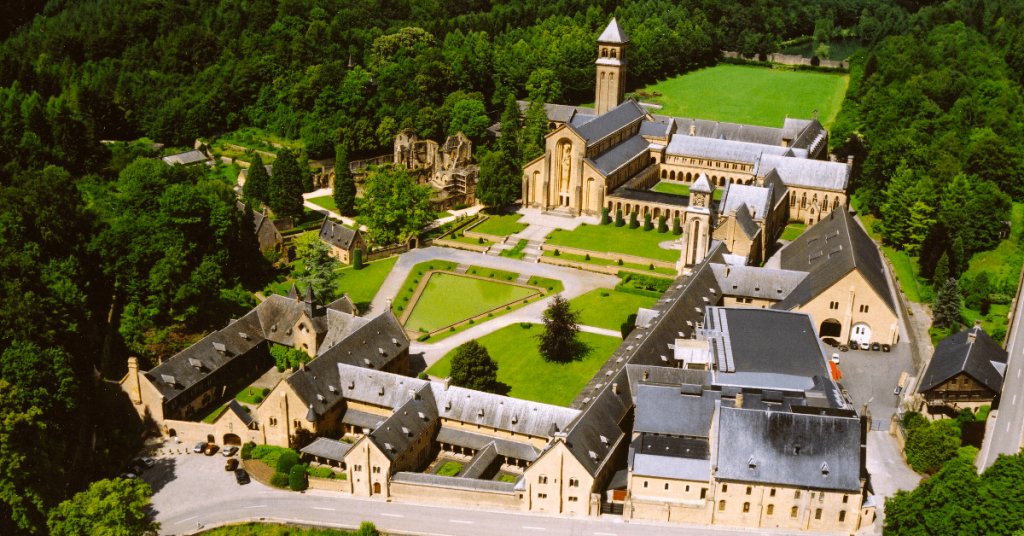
442 214
676 188
449 469
214 414
413 279
500 275
554 286
528 376
500 225
517 251
609 309
792 231
325 202
449 298
362 285
608 262
751 95
609 238
252 395
468 240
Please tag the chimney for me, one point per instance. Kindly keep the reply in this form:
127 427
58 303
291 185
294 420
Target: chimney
693 129
302 366
739 401
135 391
447 383
615 388
831 158
645 375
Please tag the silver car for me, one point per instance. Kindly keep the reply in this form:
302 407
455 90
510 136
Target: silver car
229 451
200 447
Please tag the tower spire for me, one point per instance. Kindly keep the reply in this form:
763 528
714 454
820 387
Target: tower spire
611 67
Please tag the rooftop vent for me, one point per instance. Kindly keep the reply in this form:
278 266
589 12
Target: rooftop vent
751 463
421 415
593 455
480 413
604 440
515 419
394 340
367 361
168 379
352 384
195 362
406 431
320 397
381 392
448 405
219 347
330 388
824 469
273 328
381 350
389 447
289 332
243 335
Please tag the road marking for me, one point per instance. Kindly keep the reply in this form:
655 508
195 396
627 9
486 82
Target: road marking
534 528
257 506
461 521
188 519
1007 427
321 508
1014 399
392 515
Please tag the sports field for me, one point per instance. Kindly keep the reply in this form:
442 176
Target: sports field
525 372
449 298
750 95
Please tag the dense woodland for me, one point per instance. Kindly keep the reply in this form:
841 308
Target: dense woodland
108 253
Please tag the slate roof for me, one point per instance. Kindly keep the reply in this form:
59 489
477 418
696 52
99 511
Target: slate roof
611 121
805 173
327 448
702 185
704 128
754 282
410 420
956 353
774 181
613 34
829 250
623 153
655 130
454 482
792 127
336 234
186 158
746 221
720 149
768 441
504 447
240 412
559 113
483 459
670 467
662 409
662 375
755 197
361 419
501 412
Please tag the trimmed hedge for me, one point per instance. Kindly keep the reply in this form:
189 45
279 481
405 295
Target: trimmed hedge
279 480
286 461
247 450
638 292
297 478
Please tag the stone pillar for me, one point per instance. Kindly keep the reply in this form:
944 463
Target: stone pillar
526 191
132 383
600 202
579 199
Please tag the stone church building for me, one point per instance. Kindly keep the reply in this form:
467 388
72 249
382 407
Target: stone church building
612 155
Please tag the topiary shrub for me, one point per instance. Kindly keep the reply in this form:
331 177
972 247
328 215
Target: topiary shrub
633 224
257 399
297 478
605 219
266 391
286 461
279 480
662 226
620 262
647 222
605 294
586 257
452 329
247 450
423 337
676 228
357 259
557 253
423 376
619 222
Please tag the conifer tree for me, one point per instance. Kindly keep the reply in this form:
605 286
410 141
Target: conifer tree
619 222
473 368
676 228
941 271
344 184
511 130
605 219
946 309
958 264
286 186
561 325
633 224
647 222
256 190
662 227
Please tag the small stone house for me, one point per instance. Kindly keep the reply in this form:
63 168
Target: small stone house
966 371
342 240
269 236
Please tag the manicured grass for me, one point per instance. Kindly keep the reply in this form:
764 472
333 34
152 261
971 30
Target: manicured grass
449 469
507 478
442 214
609 309
417 273
252 395
468 240
677 188
449 298
608 262
214 414
609 238
553 286
525 372
792 231
362 285
500 225
324 201
259 529
517 251
500 275
751 95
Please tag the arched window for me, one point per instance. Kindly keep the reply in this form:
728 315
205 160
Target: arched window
672 176
817 513
664 174
824 204
689 177
604 52
721 506
574 482
771 509
652 161
803 201
842 516
746 507
794 512
835 203
792 201
542 479
613 53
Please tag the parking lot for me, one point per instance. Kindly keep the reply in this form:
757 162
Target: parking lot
870 375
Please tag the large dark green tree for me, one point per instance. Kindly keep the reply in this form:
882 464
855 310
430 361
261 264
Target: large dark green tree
473 368
559 342
256 190
499 182
287 185
344 183
393 206
946 309
115 507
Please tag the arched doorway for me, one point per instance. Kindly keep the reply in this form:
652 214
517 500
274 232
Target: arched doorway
861 333
376 488
232 439
830 328
413 242
172 433
210 439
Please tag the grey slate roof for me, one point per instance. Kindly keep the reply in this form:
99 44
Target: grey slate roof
240 412
806 173
774 181
828 251
704 128
768 441
336 234
670 467
480 462
501 412
746 221
560 113
956 354
661 375
792 127
624 152
186 158
702 185
754 282
611 121
755 197
613 33
454 482
504 447
408 422
663 409
655 130
720 149
361 419
327 448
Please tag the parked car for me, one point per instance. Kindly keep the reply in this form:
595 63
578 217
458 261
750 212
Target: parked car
899 386
229 451
843 348
241 477
854 345
830 341
886 347
210 449
231 465
200 447
875 347
128 476
145 461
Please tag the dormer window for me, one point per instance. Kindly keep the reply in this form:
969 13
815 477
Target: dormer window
824 469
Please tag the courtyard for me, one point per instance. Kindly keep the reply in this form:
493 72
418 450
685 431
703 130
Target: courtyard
448 298
676 188
526 375
612 239
609 309
500 225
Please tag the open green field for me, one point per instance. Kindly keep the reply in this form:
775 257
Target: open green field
525 372
609 238
449 298
676 188
362 285
607 308
325 202
751 95
500 225
608 262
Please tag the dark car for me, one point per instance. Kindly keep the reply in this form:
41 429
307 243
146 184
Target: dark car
854 345
210 449
875 347
241 476
231 465
200 447
830 341
886 347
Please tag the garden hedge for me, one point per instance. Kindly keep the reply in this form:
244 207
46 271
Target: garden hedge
297 478
286 461
279 480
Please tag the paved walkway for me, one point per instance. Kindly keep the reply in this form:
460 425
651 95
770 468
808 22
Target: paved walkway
889 472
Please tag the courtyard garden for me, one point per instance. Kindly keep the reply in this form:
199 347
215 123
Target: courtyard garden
450 298
500 225
676 188
612 239
325 201
527 375
609 262
750 95
792 231
610 309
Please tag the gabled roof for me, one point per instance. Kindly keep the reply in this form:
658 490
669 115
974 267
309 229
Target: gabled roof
336 234
774 181
327 448
746 221
662 409
612 159
737 194
755 282
683 144
828 251
560 113
702 185
613 34
185 158
406 424
239 411
792 127
805 172
611 121
703 128
980 359
504 413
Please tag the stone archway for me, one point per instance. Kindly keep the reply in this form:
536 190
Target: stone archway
172 433
376 488
210 439
232 439
830 328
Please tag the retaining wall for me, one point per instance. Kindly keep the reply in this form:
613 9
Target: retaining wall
473 234
612 270
448 496
790 59
460 245
610 256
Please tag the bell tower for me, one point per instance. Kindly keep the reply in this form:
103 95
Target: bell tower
700 217
611 67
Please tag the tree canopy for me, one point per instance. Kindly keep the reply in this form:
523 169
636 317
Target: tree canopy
473 368
114 507
393 206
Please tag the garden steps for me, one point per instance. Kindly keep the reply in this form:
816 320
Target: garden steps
523 279
462 268
533 251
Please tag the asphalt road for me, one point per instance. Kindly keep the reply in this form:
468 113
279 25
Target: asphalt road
194 491
1008 429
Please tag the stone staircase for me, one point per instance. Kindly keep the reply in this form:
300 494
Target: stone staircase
462 268
532 250
523 279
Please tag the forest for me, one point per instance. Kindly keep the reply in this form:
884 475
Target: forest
109 253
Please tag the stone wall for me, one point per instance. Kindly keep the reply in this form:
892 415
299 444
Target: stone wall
610 256
460 245
790 59
453 497
612 270
329 484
